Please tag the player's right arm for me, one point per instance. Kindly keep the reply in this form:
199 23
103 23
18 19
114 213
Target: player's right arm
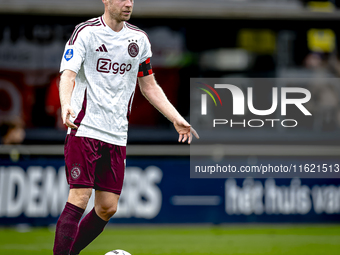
65 92
74 55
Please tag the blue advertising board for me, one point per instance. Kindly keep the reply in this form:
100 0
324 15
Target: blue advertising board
160 190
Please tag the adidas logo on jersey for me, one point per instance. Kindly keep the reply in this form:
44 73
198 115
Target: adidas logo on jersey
102 48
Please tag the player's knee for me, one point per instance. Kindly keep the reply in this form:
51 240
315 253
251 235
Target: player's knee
112 211
106 212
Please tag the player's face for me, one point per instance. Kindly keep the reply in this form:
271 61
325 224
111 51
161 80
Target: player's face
120 10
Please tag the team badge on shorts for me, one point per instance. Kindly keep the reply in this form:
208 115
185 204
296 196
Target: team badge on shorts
75 172
133 49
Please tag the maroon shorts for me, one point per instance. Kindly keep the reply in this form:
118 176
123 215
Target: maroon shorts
94 164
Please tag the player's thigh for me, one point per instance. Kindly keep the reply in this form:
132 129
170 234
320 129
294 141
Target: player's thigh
110 168
105 203
79 196
81 156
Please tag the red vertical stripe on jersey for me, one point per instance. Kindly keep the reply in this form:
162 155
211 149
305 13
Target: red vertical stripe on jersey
129 106
81 114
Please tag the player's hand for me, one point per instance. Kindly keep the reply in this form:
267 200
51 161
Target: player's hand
184 130
66 111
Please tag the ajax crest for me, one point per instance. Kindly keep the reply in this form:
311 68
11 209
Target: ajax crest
133 49
75 172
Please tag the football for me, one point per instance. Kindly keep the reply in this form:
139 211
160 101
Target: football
117 252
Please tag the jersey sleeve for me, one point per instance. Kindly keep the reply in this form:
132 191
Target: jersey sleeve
74 53
146 50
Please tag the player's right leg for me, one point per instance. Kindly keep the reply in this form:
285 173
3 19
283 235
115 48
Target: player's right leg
79 197
67 225
80 161
95 221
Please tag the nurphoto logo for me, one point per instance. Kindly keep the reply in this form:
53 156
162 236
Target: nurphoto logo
204 98
239 99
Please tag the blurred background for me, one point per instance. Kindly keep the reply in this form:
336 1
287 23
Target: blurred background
190 38
220 38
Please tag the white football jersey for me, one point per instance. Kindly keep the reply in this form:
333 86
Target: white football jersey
106 63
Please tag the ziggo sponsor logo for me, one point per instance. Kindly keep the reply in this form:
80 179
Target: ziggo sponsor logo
105 65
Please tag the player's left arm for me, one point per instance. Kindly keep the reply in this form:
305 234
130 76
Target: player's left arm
154 93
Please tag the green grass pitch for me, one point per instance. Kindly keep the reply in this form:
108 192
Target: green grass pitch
225 239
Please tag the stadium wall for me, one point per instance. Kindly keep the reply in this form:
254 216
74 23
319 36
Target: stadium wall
158 189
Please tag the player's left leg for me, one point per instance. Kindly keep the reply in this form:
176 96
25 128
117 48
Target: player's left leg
105 206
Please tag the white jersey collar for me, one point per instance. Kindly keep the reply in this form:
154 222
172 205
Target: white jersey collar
109 29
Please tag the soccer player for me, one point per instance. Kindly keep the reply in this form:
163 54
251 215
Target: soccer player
100 66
